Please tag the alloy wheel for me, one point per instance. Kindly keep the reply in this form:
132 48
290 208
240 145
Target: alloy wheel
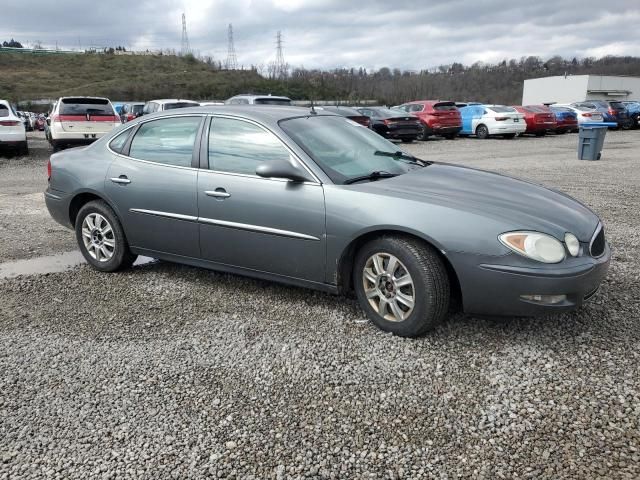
98 237
388 287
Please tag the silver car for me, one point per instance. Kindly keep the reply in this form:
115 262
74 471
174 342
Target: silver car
316 200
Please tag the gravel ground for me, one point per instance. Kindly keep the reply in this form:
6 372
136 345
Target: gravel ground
26 228
166 371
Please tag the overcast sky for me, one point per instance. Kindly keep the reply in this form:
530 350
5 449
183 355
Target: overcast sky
406 34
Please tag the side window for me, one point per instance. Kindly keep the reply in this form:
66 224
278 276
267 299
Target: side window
169 141
416 108
237 146
118 142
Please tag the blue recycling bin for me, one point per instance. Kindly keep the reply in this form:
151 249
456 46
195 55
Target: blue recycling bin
591 139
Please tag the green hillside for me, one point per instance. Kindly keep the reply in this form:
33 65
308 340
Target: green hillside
26 76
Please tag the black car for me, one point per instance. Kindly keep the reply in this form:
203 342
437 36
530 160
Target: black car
350 113
393 124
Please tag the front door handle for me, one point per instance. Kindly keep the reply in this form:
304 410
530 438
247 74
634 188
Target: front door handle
122 180
217 193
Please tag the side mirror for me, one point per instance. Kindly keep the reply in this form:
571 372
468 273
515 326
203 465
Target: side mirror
282 169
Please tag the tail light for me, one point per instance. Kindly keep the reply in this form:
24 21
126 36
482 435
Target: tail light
10 123
612 111
387 122
49 170
501 119
56 118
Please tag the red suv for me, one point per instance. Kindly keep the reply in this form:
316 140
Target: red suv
437 117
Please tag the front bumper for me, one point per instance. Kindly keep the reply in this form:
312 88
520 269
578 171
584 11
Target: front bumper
490 286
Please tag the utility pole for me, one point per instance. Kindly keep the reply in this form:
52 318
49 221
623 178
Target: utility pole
185 49
280 67
232 61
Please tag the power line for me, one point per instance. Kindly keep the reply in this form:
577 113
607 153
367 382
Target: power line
184 45
232 61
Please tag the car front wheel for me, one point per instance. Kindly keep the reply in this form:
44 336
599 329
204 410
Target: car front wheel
402 285
101 238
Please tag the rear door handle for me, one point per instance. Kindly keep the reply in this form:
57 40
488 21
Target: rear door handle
218 193
122 180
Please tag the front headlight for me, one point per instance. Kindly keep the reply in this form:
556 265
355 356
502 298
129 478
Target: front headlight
537 246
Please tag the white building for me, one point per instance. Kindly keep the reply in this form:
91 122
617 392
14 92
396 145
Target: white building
576 88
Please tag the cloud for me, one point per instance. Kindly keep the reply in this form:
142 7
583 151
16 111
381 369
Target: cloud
337 33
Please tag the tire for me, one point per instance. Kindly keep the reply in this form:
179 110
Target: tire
424 135
97 234
55 146
509 136
23 149
429 285
407 140
561 131
482 132
627 124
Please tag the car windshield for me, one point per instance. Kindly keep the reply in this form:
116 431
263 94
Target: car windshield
86 106
561 109
617 105
272 101
137 108
171 106
345 150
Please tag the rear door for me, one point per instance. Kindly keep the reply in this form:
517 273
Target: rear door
153 185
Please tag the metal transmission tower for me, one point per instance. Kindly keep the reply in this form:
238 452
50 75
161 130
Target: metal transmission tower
280 66
232 61
184 46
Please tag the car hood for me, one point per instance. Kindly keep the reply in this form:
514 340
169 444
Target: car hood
522 204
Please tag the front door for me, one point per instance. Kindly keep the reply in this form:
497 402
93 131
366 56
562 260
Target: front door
153 186
267 225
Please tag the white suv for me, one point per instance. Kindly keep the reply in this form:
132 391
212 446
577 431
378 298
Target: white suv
153 106
80 120
12 131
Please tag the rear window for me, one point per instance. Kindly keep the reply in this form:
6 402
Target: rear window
445 107
272 101
617 105
388 113
561 109
535 109
86 106
172 106
4 111
502 109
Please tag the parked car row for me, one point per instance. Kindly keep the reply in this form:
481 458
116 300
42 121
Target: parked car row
82 120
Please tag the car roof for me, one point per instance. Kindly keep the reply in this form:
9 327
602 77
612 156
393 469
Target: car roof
254 96
172 100
84 96
261 113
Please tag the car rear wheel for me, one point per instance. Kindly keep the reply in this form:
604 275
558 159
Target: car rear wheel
23 148
101 238
402 285
482 132
424 134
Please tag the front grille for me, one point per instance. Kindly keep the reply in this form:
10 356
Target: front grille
598 243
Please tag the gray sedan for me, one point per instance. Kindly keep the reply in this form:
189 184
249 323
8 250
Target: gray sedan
313 199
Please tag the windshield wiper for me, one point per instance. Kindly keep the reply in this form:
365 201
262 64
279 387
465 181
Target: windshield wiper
371 176
402 156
